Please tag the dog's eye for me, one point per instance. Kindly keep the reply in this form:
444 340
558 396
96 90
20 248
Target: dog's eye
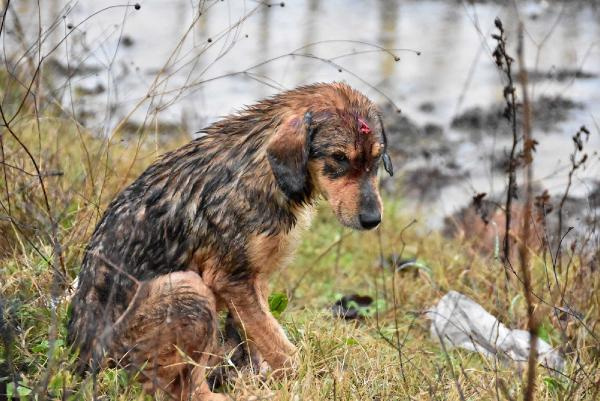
340 157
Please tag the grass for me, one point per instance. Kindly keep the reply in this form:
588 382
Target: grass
345 360
387 355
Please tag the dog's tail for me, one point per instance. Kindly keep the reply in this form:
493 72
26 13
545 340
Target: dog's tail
84 334
95 319
98 315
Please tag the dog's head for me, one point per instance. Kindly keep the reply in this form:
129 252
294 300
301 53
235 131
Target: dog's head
332 142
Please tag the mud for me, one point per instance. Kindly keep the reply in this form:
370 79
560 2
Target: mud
426 183
548 112
423 156
594 197
56 67
559 75
407 140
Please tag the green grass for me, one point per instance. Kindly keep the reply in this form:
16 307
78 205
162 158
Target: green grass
338 359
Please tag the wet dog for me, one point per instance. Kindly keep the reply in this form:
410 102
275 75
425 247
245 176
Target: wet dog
203 228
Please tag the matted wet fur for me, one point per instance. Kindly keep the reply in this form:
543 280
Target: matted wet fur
204 226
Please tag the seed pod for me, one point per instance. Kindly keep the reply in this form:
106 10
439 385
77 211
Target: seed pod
498 24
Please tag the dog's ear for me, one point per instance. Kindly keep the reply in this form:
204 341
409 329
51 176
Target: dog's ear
288 153
387 161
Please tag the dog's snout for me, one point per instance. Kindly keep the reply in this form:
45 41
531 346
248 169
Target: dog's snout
369 212
370 219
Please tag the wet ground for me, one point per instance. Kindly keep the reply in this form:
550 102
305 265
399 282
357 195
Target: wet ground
168 66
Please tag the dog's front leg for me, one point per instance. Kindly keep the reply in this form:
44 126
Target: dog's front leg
248 304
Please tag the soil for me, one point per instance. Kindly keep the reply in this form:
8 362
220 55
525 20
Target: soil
59 68
407 140
423 156
560 75
548 112
426 183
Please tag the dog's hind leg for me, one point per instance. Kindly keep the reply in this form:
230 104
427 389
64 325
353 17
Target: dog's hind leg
171 336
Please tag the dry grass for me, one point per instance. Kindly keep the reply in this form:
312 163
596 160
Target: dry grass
339 359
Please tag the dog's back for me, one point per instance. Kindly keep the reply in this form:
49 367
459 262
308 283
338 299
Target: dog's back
200 201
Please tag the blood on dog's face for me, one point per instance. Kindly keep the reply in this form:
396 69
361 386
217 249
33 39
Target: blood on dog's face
346 152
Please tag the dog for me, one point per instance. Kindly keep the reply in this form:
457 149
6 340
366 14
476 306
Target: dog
203 228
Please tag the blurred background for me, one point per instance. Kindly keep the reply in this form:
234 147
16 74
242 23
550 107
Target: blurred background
178 65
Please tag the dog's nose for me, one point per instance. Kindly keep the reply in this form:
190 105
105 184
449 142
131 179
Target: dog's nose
369 220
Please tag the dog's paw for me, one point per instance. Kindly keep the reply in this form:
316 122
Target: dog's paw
288 368
212 397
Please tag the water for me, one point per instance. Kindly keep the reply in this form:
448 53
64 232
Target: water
157 66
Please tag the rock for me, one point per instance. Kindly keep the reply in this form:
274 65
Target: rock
352 306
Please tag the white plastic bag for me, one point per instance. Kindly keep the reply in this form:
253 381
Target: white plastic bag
461 322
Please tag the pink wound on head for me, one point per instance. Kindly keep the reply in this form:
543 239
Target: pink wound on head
364 127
